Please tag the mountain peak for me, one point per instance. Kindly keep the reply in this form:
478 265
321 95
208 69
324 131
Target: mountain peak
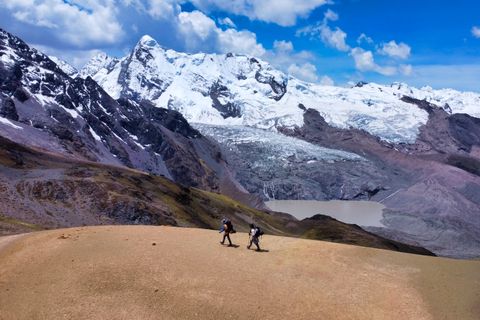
100 56
96 63
148 41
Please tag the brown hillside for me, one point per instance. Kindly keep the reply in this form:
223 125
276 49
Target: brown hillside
140 272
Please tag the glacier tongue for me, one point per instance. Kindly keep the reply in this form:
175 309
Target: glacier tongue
229 89
274 146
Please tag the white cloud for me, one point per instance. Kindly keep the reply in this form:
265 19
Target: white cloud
394 50
163 9
307 72
476 31
243 41
283 46
364 61
138 4
157 9
227 22
195 25
330 15
81 24
364 38
334 38
406 69
281 12
200 33
283 55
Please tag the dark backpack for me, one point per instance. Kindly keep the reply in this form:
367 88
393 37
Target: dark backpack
259 232
230 227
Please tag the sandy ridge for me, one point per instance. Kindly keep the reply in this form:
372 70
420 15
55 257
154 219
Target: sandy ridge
142 272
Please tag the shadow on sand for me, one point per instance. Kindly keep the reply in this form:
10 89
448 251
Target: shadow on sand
231 245
237 246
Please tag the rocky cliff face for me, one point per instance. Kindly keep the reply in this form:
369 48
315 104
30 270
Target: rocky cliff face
42 106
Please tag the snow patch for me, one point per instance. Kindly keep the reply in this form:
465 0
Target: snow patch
72 112
9 123
94 134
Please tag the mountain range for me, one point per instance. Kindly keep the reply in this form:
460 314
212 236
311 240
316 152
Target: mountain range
234 124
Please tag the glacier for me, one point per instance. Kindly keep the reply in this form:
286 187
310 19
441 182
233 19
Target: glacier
273 146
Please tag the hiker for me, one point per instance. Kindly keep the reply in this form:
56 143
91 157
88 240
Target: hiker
227 228
255 233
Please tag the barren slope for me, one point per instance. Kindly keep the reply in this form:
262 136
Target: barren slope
40 190
126 272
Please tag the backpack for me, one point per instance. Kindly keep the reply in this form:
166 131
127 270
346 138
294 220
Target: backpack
258 232
230 226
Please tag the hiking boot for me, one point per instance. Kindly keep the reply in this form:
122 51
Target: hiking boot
221 242
248 247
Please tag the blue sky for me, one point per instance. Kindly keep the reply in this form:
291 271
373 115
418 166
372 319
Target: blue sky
426 42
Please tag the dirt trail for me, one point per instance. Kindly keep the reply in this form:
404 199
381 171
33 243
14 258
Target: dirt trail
141 272
7 240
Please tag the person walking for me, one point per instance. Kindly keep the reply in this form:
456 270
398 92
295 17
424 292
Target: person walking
227 228
255 233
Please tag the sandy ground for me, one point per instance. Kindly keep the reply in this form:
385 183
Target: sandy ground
140 272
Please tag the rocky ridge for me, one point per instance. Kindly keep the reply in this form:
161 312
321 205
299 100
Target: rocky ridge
42 106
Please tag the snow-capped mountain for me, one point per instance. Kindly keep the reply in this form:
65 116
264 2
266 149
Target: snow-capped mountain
415 150
452 101
65 66
99 62
43 107
229 89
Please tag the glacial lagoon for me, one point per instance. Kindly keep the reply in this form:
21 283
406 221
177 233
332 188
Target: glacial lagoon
363 213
